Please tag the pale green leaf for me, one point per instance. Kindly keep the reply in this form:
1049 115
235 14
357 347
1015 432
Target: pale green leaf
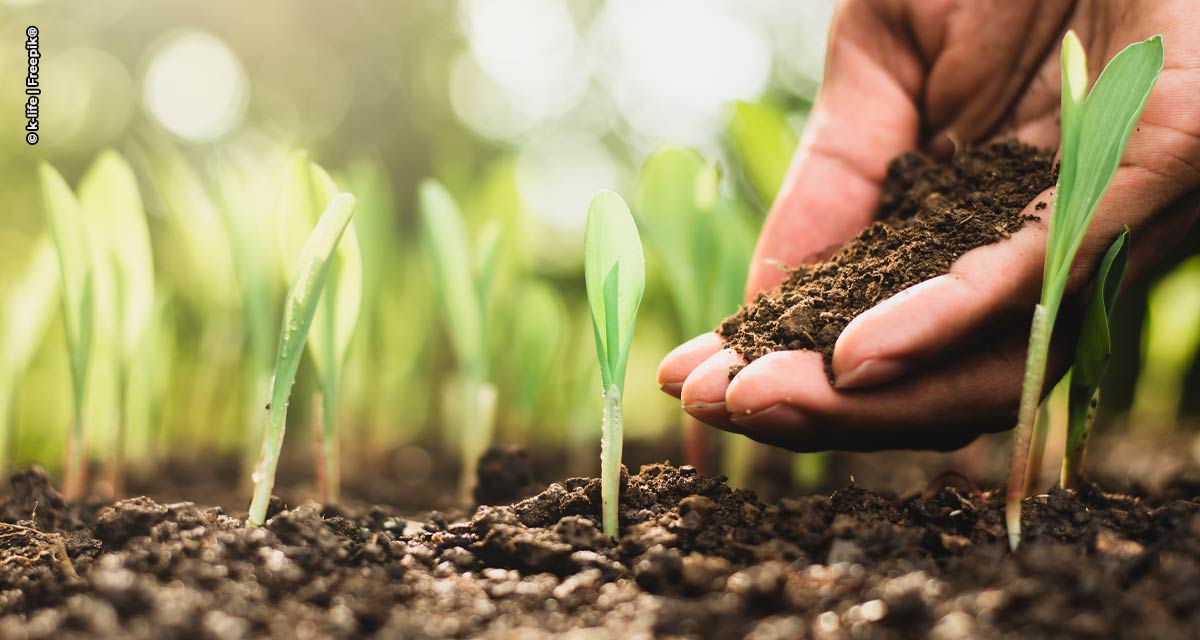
307 190
304 296
673 201
311 275
120 237
615 274
764 143
1109 114
539 321
29 306
69 231
1094 347
449 249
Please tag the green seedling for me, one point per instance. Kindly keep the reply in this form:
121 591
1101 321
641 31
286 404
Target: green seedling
1095 129
764 143
615 274
29 305
463 287
702 246
68 227
538 327
307 188
1170 345
123 270
300 309
1091 359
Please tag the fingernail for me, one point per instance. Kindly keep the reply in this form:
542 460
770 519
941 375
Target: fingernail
871 373
776 416
672 388
701 410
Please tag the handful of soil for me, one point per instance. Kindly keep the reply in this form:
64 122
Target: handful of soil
930 213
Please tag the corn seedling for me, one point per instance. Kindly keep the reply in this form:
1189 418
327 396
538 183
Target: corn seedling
123 270
764 143
464 288
29 305
1095 129
615 274
538 324
702 246
1170 345
1091 359
300 309
307 188
69 230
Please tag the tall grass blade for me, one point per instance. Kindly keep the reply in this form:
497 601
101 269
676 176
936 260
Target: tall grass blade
615 275
69 230
304 295
1091 358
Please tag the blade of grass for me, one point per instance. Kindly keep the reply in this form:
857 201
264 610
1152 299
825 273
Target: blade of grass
1091 359
304 295
1096 141
615 275
68 228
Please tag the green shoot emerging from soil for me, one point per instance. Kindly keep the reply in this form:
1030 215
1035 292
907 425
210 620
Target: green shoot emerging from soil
304 295
702 243
1095 129
615 274
123 272
69 230
463 293
1091 359
307 190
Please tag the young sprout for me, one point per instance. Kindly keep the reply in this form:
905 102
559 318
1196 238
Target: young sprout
1170 346
304 296
29 305
123 270
764 143
615 274
538 323
463 290
702 245
1091 359
1095 129
69 230
307 189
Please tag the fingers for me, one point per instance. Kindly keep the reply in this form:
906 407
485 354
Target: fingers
864 116
924 322
785 399
703 392
987 288
680 362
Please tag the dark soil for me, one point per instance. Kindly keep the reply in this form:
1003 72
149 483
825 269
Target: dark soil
695 560
930 213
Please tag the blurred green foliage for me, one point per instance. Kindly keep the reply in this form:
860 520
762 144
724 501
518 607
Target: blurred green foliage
522 121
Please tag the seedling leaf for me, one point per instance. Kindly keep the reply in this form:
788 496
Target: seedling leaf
304 295
1092 146
446 236
615 274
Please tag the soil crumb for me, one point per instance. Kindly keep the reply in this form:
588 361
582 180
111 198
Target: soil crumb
930 213
695 559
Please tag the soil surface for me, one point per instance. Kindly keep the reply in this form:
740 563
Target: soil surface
930 213
695 560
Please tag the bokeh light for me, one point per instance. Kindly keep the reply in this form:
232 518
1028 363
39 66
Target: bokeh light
195 87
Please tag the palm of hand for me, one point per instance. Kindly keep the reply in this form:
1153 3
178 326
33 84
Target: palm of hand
933 75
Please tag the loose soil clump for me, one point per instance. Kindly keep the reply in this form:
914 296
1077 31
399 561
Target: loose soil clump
930 213
695 559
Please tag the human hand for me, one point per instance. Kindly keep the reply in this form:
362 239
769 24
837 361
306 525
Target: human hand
942 362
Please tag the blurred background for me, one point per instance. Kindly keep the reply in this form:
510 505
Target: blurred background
523 109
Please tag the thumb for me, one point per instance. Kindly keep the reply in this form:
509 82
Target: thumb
865 114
